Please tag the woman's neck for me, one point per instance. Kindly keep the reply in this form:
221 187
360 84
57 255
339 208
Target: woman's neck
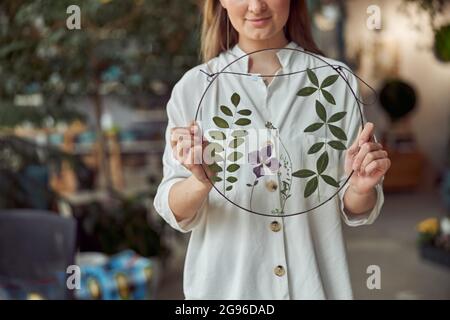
250 45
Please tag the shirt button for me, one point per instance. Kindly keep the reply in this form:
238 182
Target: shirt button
279 271
275 226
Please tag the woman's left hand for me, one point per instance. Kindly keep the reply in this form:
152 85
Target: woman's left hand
368 159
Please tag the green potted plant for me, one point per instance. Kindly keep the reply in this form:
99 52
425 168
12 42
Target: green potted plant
434 240
442 43
434 8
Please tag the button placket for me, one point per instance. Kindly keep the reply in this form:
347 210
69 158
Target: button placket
275 225
279 269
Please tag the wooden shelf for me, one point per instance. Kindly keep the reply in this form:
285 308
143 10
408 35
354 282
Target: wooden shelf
406 171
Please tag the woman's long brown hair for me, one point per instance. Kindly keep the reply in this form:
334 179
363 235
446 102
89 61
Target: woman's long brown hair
214 29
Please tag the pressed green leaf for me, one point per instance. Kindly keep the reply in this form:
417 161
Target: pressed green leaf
306 91
316 147
235 156
215 148
233 167
226 110
322 163
232 179
236 143
235 99
221 123
337 116
314 127
216 179
337 145
321 112
217 158
215 168
245 112
311 186
303 173
328 96
239 133
312 77
217 135
329 81
337 132
229 188
243 122
329 180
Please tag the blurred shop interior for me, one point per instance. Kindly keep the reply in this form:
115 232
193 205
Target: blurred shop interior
82 121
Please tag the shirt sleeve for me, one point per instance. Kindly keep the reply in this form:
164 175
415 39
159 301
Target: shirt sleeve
353 126
173 171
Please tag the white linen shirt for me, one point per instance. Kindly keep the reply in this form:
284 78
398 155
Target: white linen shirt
234 254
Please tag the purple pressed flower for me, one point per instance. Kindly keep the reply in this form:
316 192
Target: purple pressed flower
262 161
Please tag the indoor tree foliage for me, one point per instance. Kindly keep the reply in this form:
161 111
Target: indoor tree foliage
121 48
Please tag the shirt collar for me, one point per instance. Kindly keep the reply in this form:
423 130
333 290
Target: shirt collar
283 55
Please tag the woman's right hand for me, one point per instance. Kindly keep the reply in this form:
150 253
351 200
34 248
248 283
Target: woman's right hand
188 147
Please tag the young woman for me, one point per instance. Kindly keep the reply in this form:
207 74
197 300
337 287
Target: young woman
234 254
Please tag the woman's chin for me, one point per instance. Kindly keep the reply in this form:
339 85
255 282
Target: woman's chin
260 35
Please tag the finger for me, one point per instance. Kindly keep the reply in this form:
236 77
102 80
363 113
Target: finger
180 132
353 148
176 138
194 127
186 143
183 146
363 151
357 136
372 156
180 129
381 165
182 152
175 146
177 132
196 155
192 157
366 134
192 140
186 138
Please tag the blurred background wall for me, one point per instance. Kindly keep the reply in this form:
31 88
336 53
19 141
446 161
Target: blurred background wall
406 39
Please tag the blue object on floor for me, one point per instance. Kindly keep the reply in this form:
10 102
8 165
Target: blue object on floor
126 276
